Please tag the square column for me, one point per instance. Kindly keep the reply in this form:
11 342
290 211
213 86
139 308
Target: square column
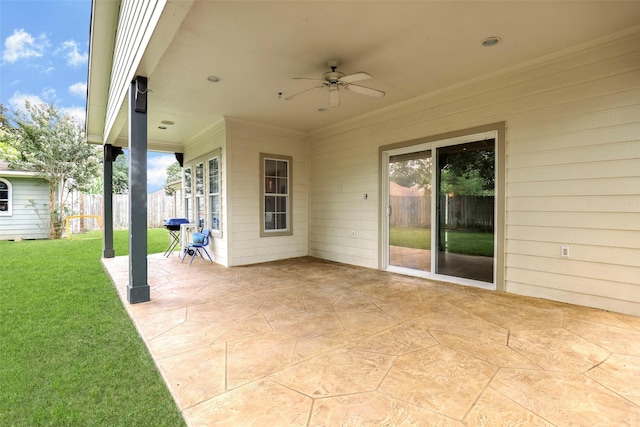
138 289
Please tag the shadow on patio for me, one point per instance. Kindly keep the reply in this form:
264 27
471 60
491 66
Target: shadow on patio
308 342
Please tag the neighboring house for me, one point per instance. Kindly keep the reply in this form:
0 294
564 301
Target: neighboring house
557 103
24 205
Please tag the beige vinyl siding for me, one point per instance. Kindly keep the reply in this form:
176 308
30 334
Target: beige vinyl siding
136 23
572 171
201 148
246 141
342 172
25 223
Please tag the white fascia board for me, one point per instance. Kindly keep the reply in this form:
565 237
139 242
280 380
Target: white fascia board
18 174
104 23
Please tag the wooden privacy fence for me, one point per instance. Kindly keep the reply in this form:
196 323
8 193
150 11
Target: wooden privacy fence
467 212
458 212
159 208
410 211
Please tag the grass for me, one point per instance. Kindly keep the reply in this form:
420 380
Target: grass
70 355
460 242
415 238
157 240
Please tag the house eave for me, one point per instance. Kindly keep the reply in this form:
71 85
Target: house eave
18 174
101 47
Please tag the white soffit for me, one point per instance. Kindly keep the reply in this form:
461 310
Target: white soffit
410 48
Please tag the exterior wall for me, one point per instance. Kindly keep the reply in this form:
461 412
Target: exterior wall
200 148
246 141
24 223
572 172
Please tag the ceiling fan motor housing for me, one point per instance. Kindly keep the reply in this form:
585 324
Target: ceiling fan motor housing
333 76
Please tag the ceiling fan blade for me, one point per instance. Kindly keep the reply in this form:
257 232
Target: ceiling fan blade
364 90
334 96
300 93
356 77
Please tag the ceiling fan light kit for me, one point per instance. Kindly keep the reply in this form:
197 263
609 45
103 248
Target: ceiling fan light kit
332 80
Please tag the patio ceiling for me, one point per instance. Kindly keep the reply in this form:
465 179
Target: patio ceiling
411 49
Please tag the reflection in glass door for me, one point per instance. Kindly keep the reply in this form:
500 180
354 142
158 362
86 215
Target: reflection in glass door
465 210
409 210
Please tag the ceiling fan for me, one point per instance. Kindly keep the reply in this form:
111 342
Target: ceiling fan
332 80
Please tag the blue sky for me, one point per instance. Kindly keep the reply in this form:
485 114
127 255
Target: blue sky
43 58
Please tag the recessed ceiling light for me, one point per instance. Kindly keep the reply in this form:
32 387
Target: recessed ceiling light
214 79
491 41
168 122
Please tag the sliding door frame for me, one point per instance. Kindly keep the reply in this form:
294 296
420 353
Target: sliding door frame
495 131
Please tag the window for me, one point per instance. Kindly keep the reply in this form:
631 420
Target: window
276 195
214 193
203 188
188 206
5 197
199 184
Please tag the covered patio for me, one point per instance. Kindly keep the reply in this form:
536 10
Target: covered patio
310 342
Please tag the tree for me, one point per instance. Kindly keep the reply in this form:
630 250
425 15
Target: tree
7 135
53 146
174 173
121 175
468 173
408 173
119 178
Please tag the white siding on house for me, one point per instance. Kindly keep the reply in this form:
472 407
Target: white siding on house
25 222
246 141
137 21
201 147
572 172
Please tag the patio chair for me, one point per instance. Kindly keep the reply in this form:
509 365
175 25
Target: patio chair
197 246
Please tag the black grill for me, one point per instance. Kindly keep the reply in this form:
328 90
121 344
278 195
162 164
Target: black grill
173 224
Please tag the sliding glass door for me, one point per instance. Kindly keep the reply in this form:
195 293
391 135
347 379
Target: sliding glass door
465 210
410 210
439 202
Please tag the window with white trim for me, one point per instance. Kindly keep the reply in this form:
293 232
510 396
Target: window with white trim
199 193
188 204
213 169
203 187
276 195
5 198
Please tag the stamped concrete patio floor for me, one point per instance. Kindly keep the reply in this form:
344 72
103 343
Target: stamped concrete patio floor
304 342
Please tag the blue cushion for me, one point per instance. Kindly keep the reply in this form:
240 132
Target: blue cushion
198 238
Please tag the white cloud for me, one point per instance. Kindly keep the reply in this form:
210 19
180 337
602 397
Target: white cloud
21 45
77 114
78 89
17 101
157 169
49 95
72 54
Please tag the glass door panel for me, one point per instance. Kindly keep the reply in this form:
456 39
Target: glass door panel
410 210
465 210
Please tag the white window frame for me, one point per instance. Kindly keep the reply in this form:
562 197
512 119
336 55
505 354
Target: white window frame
194 199
9 199
216 228
199 205
187 185
287 196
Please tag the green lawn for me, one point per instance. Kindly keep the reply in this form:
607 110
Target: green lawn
461 242
69 354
